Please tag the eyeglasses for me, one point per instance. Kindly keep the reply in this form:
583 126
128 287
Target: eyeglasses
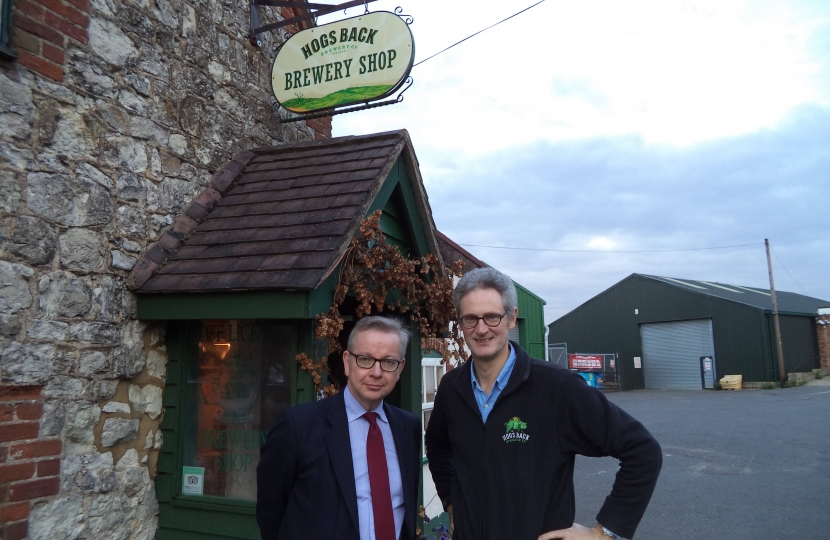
490 319
368 362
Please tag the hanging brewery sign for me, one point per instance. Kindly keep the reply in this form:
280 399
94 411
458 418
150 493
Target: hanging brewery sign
350 61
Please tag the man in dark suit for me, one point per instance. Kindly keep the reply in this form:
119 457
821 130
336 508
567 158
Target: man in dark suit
346 467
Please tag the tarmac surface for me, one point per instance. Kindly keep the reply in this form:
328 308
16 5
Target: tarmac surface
743 464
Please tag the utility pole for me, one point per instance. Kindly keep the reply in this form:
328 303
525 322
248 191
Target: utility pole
782 375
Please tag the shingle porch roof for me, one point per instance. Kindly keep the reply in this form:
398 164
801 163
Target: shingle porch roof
278 217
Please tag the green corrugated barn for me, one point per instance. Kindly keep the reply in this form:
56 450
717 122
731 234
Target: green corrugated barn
666 326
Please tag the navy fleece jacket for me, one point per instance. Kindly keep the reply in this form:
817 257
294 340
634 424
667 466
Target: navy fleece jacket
512 477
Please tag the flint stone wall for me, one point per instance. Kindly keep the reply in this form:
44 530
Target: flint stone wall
101 146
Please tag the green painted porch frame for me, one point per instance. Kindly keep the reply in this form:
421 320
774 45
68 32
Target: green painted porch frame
183 517
532 322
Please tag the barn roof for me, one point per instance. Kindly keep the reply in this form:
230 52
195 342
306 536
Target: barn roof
752 296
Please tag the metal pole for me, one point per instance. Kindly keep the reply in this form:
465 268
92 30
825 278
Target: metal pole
782 375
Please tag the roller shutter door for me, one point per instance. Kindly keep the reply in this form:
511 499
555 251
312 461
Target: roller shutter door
672 351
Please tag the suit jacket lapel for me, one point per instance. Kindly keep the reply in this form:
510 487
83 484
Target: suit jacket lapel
403 442
340 453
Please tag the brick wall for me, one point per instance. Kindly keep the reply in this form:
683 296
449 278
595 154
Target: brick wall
29 464
44 28
823 331
321 127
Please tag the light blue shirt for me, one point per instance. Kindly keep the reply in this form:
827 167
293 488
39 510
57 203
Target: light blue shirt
486 402
358 434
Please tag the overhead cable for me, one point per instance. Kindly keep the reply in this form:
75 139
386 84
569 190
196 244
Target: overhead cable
613 250
777 258
477 33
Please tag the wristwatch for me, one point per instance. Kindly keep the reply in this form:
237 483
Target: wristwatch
609 534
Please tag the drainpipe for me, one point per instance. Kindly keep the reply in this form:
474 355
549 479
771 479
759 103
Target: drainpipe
547 353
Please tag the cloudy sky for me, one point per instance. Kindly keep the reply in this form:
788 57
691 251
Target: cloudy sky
595 135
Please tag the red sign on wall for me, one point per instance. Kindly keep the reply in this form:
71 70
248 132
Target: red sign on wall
585 361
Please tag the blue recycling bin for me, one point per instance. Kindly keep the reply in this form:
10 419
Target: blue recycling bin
590 378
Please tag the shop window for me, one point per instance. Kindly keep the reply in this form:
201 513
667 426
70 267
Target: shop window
5 30
433 370
236 390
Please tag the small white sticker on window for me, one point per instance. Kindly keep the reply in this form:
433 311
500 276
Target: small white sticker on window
637 364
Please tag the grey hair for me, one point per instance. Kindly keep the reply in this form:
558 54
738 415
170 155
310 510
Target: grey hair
487 278
387 325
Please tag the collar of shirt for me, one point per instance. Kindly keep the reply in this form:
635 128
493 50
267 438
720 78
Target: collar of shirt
485 402
355 410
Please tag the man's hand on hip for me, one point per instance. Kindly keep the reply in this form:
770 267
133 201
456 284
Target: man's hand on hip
577 532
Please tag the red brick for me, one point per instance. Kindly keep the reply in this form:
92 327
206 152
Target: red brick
55 5
19 393
6 413
19 431
314 124
83 5
4 491
322 129
17 471
34 489
51 467
39 30
4 453
68 29
75 16
44 67
16 531
29 411
36 449
823 331
78 34
30 9
14 512
55 54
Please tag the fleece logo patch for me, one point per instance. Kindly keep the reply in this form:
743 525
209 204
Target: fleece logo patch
515 431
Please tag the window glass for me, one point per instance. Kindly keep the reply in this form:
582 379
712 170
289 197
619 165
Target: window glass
433 370
6 52
237 388
429 384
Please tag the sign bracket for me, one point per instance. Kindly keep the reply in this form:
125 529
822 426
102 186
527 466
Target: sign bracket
258 28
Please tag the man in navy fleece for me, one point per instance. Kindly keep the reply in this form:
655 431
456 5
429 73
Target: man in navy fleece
505 430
